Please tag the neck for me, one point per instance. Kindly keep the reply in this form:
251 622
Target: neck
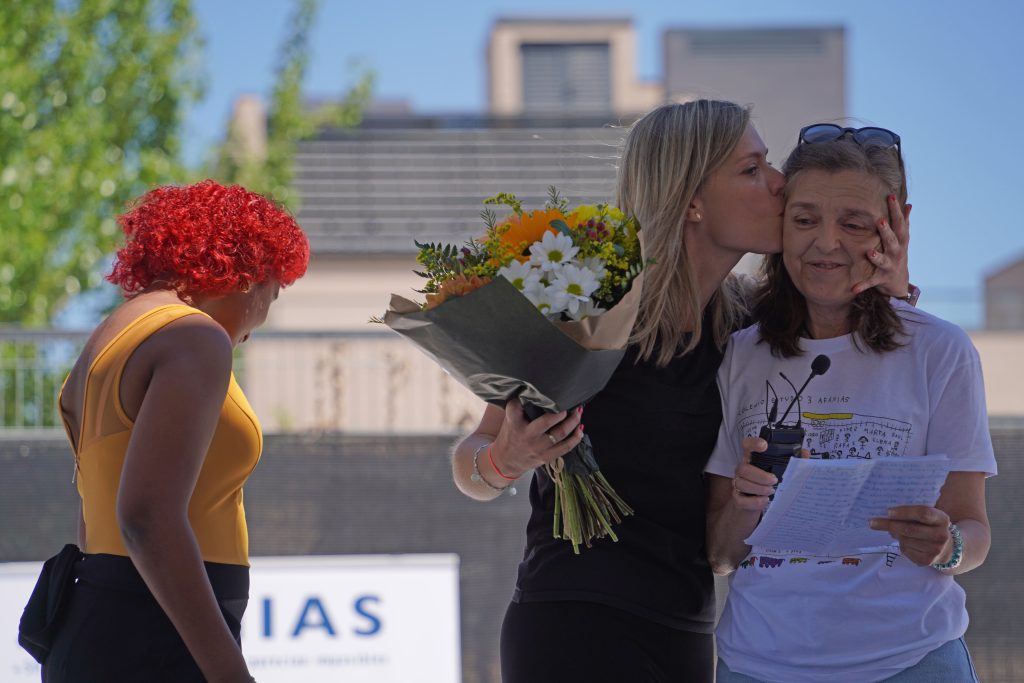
710 263
827 322
158 294
213 306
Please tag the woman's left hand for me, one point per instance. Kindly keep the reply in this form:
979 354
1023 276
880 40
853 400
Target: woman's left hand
922 531
892 274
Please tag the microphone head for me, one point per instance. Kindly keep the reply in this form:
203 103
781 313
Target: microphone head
821 364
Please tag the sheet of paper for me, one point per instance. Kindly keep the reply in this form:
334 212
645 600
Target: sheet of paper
823 506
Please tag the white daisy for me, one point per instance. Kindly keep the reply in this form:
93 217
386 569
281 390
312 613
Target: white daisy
523 276
596 266
587 309
552 250
577 284
548 300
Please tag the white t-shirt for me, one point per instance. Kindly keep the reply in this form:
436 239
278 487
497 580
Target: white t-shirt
793 617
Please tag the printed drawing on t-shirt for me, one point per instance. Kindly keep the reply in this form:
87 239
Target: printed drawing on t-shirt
833 431
767 559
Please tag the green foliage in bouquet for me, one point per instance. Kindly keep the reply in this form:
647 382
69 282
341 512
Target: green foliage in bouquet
572 263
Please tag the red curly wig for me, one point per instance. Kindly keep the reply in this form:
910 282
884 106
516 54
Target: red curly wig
207 239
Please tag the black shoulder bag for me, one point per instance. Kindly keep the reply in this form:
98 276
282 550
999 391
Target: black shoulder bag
41 618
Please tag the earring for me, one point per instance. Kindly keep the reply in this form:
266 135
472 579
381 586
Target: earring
698 216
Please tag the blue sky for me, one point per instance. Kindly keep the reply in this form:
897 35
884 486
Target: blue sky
943 74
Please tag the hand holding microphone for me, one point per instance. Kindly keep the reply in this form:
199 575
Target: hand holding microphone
785 441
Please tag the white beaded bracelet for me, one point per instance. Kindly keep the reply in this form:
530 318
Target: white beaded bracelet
476 476
958 550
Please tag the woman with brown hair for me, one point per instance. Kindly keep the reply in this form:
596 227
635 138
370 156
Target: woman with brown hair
697 179
900 383
164 440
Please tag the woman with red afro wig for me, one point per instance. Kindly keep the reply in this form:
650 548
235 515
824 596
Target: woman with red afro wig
164 440
208 240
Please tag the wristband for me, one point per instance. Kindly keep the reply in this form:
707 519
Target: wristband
476 476
495 466
958 550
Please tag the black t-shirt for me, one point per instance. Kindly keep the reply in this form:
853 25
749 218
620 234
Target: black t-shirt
653 430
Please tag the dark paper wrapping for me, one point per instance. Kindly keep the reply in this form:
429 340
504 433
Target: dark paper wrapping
498 345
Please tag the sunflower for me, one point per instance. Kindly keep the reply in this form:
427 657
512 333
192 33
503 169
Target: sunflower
520 231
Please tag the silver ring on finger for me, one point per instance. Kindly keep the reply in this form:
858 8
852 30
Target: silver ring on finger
552 438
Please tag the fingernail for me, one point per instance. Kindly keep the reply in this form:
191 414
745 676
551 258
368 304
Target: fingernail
892 197
580 410
872 253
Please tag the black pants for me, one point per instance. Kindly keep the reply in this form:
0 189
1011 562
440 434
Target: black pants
114 630
570 642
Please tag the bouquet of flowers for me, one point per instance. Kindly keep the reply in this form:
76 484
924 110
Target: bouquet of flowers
540 307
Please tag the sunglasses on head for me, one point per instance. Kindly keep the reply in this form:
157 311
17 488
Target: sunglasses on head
830 132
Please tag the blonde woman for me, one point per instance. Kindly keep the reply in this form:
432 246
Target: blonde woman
697 179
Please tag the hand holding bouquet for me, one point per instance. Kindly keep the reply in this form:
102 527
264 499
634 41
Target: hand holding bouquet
539 308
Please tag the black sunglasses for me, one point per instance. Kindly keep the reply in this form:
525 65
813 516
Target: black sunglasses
830 132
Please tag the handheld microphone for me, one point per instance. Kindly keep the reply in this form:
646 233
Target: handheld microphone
784 441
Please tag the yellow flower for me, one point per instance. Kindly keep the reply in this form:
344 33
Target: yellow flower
583 213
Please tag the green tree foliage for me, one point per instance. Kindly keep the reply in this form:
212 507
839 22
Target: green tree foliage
290 119
92 97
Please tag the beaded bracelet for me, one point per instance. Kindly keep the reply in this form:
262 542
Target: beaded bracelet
476 476
958 550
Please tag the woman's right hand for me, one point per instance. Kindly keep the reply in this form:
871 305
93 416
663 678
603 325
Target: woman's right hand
734 509
751 485
523 445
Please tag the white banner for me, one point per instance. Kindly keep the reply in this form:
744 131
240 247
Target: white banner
357 618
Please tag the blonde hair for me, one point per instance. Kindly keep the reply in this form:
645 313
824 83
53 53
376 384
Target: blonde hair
666 157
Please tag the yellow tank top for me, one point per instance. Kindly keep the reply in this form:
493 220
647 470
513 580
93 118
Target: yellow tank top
215 511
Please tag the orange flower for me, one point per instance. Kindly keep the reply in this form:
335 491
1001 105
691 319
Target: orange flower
529 228
459 285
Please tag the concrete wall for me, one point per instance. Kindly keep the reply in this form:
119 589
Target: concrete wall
1004 297
338 494
1002 361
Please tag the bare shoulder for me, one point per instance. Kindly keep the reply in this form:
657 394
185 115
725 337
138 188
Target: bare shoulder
194 349
192 342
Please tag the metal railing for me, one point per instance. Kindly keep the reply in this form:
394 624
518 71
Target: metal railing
33 365
366 381
370 382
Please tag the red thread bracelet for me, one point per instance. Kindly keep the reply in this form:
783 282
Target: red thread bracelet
500 473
